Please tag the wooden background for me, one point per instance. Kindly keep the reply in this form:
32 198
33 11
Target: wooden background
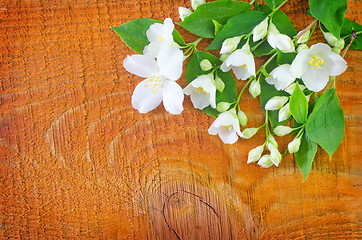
78 162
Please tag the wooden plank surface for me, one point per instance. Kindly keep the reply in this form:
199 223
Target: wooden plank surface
78 162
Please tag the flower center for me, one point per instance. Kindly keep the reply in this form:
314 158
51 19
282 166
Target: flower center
200 90
316 63
243 66
160 38
230 127
154 82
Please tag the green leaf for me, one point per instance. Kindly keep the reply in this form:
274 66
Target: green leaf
285 58
218 27
305 155
273 3
238 25
283 24
193 70
346 31
263 49
298 105
133 33
200 22
325 124
330 13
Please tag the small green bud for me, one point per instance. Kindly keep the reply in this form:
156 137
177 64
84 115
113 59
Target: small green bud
302 47
294 145
249 132
276 102
333 41
255 154
222 106
284 113
304 37
243 119
220 85
265 161
205 65
255 88
282 130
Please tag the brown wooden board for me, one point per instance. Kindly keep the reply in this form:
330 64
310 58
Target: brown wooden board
78 162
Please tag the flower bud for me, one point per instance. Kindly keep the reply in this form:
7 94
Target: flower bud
184 12
304 37
275 156
282 130
333 41
336 50
291 87
229 45
294 145
249 132
302 47
265 161
243 119
196 3
284 113
255 154
272 141
260 31
224 56
276 102
205 65
220 85
254 88
222 106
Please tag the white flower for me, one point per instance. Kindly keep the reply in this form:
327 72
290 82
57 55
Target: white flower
276 102
333 41
159 84
196 3
255 88
294 145
202 91
226 126
281 77
205 65
265 161
314 66
255 154
280 41
249 132
284 113
160 36
260 31
229 45
304 37
282 130
241 62
184 12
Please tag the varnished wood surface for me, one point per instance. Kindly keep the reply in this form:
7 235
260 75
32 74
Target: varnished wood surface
78 162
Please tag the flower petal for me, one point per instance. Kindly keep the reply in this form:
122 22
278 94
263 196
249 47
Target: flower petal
169 61
336 64
228 136
147 96
200 100
141 65
173 97
315 81
300 64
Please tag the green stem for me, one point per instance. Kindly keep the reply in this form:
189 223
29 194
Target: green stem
252 2
276 9
332 80
242 90
257 45
266 125
307 28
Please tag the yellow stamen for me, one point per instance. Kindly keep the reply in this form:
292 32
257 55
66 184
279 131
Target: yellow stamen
154 83
243 66
316 63
160 38
201 90
230 127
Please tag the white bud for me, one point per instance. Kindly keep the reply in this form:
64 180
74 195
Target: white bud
229 45
336 50
249 132
224 56
304 37
243 119
255 154
184 12
275 156
276 102
205 65
272 141
302 47
282 130
196 3
294 145
222 106
220 85
333 41
284 113
265 161
254 88
260 31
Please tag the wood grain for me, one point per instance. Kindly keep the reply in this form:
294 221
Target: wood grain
78 162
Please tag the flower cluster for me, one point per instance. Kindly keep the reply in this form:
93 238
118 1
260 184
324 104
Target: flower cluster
287 83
